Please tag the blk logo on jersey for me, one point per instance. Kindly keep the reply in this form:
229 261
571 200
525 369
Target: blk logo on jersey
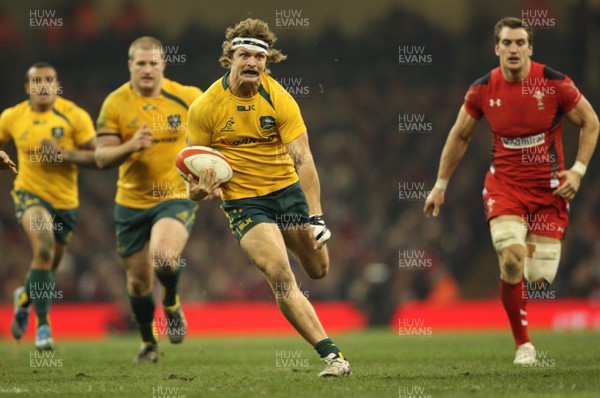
242 108
495 102
58 132
267 122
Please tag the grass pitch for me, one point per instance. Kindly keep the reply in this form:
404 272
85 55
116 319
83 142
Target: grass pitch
384 365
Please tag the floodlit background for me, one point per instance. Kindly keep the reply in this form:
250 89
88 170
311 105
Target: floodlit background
377 120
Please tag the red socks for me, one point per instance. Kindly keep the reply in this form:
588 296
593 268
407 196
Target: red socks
514 301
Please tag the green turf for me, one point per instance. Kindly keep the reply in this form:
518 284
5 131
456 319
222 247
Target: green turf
384 365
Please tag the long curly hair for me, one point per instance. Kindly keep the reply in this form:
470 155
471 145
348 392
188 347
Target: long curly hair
254 28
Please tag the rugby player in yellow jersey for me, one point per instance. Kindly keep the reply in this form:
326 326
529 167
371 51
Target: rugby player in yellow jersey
141 128
52 136
257 125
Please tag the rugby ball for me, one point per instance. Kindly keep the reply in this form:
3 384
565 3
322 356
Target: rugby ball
193 159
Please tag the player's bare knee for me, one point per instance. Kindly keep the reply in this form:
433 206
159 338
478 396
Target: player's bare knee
138 287
44 248
315 264
317 270
512 262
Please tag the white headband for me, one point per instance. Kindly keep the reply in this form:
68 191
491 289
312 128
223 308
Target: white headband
250 43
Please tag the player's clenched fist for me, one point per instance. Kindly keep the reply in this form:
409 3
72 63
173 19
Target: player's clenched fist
434 202
6 163
142 139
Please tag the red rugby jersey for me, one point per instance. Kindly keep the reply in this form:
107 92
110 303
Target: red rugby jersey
526 122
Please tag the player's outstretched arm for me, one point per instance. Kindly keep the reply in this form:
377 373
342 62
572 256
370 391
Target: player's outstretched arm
6 163
112 152
584 116
454 149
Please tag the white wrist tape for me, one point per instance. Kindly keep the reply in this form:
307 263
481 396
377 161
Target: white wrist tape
579 168
441 184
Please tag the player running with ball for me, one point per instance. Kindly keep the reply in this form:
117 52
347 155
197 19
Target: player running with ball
141 130
251 119
527 190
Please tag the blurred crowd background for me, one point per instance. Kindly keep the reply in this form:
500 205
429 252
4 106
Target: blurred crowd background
345 72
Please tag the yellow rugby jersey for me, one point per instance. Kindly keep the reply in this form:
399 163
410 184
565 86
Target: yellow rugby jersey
251 133
149 177
42 171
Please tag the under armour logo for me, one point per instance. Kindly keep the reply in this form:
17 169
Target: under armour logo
496 102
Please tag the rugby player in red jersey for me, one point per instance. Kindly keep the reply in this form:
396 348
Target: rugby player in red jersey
527 189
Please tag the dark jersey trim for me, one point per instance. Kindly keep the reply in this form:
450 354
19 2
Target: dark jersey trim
174 98
551 74
557 119
482 80
263 93
59 114
224 81
261 90
103 134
